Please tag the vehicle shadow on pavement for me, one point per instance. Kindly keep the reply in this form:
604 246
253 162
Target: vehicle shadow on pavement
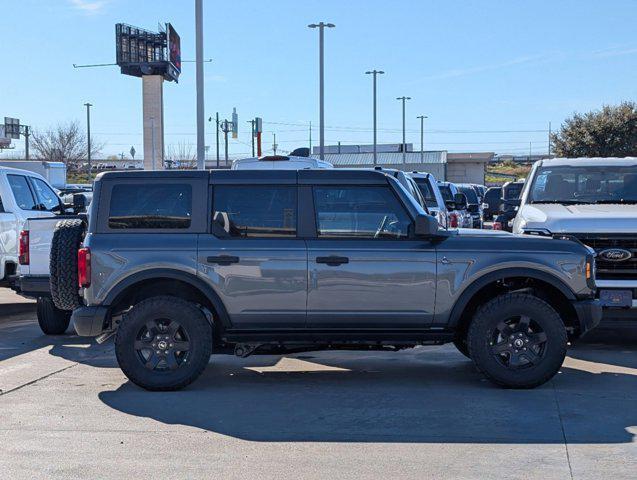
427 395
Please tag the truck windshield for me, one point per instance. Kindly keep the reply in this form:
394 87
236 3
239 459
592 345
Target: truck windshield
425 188
470 193
571 185
445 190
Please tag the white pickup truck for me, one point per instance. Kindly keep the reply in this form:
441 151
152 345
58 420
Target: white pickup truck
595 200
29 211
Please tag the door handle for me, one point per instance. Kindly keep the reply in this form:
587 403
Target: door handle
332 260
445 261
223 259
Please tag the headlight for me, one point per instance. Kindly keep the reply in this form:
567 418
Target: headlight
541 232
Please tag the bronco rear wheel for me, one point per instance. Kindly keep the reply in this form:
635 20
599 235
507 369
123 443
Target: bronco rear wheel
517 340
163 343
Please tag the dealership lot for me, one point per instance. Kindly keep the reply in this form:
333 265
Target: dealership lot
67 411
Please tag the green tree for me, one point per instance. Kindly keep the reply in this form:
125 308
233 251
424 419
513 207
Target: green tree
609 132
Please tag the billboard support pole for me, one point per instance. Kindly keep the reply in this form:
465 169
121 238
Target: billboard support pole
259 144
217 139
199 73
27 134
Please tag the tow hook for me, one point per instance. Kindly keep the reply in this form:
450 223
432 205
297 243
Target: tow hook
244 350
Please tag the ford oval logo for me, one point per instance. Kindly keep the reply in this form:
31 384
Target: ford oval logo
615 254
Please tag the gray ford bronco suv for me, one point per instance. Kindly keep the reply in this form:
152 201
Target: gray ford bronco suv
179 265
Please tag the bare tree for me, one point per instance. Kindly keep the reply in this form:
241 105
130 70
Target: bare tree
180 155
66 142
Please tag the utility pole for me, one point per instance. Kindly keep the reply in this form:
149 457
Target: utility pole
252 122
274 145
27 134
422 137
88 136
217 139
549 139
374 73
530 151
310 138
403 99
225 129
321 26
201 147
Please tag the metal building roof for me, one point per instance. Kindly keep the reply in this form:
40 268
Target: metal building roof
383 158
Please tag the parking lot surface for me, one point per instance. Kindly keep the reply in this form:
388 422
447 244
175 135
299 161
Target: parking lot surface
67 411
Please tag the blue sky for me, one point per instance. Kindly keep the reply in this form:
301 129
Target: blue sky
490 75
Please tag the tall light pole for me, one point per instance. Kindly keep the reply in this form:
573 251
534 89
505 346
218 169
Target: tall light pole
422 137
321 26
88 137
201 147
403 99
374 73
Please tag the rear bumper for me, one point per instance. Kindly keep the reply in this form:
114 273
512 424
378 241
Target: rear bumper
31 285
589 314
89 321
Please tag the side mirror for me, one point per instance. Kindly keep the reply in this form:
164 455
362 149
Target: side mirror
460 199
79 203
450 204
426 226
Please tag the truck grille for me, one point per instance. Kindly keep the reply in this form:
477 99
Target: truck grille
622 270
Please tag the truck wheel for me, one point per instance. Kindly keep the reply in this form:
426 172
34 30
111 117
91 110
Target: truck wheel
163 343
66 241
51 319
517 340
461 345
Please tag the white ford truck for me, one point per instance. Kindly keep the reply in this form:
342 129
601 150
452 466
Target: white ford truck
595 200
29 211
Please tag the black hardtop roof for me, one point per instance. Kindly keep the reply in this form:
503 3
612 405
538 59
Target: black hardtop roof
303 176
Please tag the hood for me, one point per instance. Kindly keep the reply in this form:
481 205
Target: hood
607 218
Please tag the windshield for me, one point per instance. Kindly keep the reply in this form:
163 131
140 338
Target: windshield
445 190
427 191
568 184
512 190
470 193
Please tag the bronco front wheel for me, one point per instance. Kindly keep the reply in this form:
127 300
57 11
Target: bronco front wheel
163 343
517 340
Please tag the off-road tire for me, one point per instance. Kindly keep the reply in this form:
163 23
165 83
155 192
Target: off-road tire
193 321
486 321
67 238
51 319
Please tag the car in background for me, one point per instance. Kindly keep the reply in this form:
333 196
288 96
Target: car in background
428 186
594 200
456 203
491 203
279 162
474 205
480 190
509 205
407 183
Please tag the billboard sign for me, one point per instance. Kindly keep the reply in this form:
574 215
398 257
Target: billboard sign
258 125
174 47
235 123
4 140
12 127
140 52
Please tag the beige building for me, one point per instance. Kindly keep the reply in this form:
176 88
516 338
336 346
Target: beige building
468 167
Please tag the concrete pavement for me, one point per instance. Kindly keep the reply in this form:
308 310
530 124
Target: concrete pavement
11 303
67 411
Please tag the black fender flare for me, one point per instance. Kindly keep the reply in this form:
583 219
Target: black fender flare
468 293
166 273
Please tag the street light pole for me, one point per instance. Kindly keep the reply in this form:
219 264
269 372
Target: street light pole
201 148
321 26
374 73
252 122
403 99
422 137
88 137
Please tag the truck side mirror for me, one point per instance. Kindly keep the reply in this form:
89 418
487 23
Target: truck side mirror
79 203
460 199
450 204
426 226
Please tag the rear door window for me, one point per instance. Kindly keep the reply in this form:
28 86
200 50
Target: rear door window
359 212
46 197
22 192
150 206
265 211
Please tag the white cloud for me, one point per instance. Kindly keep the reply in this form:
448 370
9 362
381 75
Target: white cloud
89 7
462 72
615 51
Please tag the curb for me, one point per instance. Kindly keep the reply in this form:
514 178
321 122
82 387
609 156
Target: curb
17 308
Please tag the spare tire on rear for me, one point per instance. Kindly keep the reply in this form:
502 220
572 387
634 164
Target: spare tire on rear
67 237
